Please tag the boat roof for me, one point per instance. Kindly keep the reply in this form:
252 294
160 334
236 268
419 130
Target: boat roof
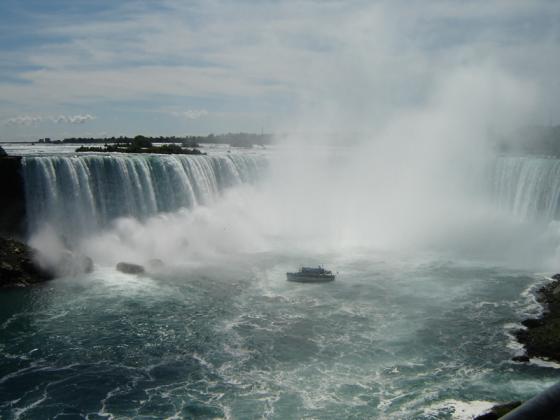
313 269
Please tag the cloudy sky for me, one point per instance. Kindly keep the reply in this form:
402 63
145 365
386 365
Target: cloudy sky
105 67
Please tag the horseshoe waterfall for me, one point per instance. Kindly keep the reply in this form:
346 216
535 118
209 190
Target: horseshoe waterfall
80 194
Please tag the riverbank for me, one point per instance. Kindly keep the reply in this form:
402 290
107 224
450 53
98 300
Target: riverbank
541 336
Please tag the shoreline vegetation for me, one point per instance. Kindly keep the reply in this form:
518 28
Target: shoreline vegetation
233 139
141 144
166 149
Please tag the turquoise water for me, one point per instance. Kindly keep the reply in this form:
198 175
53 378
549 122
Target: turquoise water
392 337
220 333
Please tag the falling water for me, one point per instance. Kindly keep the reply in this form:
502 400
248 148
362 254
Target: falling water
79 194
527 187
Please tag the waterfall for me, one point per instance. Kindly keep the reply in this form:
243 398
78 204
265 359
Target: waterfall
527 187
79 194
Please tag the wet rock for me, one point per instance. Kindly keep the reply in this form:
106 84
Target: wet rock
18 267
130 268
521 359
541 337
532 322
3 152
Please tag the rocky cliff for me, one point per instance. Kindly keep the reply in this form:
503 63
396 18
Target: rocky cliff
12 198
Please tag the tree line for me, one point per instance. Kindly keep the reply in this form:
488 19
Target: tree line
233 139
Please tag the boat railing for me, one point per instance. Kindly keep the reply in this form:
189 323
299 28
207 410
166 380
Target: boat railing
543 406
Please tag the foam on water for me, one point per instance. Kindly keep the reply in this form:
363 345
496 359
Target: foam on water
459 410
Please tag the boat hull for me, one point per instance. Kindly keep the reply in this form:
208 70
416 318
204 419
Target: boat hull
309 278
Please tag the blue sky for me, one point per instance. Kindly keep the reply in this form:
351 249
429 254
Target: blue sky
95 68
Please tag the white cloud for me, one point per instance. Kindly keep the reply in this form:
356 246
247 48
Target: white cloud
28 120
191 114
72 119
24 120
363 58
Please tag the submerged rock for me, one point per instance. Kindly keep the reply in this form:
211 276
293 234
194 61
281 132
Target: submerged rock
130 268
18 267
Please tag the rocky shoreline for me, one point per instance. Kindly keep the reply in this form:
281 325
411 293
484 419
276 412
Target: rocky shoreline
18 267
541 336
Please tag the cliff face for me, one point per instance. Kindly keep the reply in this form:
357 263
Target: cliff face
12 198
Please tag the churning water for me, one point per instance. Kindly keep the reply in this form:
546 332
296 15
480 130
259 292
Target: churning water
414 335
391 338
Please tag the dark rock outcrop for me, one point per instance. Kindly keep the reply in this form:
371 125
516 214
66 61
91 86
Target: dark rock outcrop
12 197
18 267
541 336
130 268
3 152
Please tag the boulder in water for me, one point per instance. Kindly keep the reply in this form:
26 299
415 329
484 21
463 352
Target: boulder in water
3 152
130 268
